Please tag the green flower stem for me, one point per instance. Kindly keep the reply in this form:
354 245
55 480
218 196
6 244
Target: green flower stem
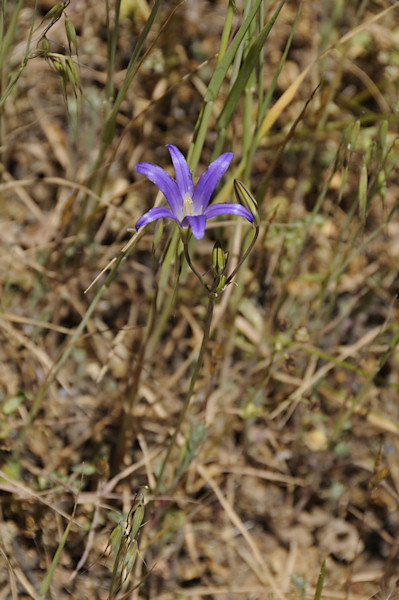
191 265
244 257
200 360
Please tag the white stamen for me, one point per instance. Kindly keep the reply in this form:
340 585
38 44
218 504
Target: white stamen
188 206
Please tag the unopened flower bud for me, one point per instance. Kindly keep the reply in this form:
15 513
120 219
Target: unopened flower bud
219 259
245 198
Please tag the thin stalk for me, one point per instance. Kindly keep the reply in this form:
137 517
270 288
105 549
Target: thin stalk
111 41
247 143
261 61
248 95
244 257
214 86
108 130
226 31
44 588
165 302
6 40
191 265
13 81
200 360
234 74
264 101
3 72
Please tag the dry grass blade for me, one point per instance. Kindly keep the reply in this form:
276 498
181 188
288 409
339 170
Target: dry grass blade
13 584
23 492
265 572
268 445
288 96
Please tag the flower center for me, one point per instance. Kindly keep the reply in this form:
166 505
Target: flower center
188 206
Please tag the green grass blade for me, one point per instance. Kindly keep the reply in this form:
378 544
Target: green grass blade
111 49
246 70
10 30
221 69
320 581
50 572
109 128
265 104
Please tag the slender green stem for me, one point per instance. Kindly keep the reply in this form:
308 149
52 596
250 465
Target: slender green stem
10 30
248 97
226 31
108 130
112 41
244 257
44 588
191 265
200 360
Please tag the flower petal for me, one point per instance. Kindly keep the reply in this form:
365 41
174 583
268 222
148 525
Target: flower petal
165 183
208 181
183 176
159 212
228 208
197 225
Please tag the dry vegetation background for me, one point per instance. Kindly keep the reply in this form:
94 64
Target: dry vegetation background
299 390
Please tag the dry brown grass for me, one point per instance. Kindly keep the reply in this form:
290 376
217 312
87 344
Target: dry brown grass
300 382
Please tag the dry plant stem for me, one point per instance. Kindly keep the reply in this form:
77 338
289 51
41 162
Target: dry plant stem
127 420
51 375
205 338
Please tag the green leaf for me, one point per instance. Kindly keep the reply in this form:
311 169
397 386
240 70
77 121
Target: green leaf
109 128
248 66
11 405
222 68
320 581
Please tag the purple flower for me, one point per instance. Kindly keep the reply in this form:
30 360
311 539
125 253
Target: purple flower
188 206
